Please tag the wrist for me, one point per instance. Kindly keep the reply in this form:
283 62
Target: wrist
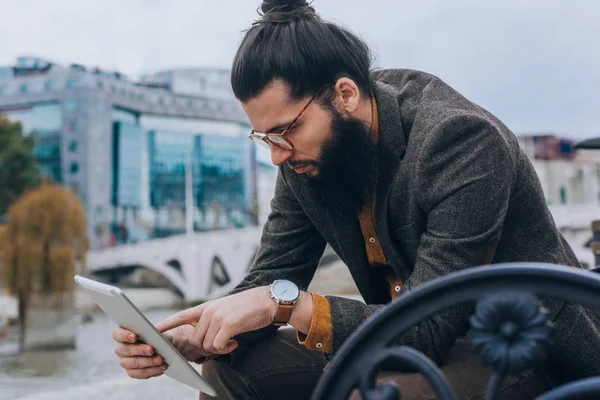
271 304
302 313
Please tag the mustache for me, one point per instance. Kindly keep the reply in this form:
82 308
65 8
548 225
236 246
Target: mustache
301 163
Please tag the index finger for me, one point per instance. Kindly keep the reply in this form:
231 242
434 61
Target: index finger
181 318
124 336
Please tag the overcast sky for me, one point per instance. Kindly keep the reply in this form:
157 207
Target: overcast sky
534 63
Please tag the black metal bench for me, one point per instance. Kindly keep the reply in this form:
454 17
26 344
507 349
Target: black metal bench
501 290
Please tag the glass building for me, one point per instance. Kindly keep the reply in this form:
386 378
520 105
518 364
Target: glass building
149 159
211 169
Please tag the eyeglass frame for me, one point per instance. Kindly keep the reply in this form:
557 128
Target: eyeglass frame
265 136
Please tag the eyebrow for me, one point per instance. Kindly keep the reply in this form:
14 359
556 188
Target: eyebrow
279 126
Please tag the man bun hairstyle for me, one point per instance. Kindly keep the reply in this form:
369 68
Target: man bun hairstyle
282 6
292 43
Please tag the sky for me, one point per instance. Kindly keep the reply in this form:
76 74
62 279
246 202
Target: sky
533 63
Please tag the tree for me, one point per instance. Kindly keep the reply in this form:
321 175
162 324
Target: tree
44 244
18 168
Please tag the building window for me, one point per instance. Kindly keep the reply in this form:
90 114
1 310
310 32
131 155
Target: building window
49 86
100 84
74 168
2 90
70 105
123 115
6 73
188 103
127 164
73 146
72 83
23 88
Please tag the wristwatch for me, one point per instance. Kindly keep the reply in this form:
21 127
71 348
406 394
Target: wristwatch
286 294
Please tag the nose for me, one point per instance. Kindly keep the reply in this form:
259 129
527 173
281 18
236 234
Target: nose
279 155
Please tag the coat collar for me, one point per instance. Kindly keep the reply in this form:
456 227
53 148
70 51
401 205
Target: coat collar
392 139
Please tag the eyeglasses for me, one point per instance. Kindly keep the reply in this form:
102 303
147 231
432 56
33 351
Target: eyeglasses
267 140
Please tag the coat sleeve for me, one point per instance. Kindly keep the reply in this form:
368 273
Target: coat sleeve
464 175
290 248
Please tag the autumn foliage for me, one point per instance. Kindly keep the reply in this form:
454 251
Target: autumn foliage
42 246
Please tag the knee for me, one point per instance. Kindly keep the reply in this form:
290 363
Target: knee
216 373
223 379
210 371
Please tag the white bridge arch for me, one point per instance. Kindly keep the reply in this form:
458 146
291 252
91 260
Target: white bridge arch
186 260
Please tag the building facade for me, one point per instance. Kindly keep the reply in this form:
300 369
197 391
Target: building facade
149 159
567 175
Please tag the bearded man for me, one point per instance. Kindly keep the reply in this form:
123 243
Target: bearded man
407 180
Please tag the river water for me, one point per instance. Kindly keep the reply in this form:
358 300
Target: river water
90 372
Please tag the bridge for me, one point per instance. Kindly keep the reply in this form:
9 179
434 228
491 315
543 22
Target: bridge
201 265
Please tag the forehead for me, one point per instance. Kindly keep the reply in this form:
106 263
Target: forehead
273 106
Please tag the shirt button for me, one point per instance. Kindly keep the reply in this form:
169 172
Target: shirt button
397 288
319 345
372 240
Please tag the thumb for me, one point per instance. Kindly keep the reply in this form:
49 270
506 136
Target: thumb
231 346
181 318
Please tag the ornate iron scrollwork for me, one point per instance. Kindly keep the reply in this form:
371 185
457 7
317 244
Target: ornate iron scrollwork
403 359
511 332
509 329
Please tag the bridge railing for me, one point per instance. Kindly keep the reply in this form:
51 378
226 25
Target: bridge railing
507 316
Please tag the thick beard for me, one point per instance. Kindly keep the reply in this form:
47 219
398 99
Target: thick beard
347 167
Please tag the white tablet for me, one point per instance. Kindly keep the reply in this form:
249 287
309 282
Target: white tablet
126 315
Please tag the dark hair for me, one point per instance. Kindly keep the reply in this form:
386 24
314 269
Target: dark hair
292 43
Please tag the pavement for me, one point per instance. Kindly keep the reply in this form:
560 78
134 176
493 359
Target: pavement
334 279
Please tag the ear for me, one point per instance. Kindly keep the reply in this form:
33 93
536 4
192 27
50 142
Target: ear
347 95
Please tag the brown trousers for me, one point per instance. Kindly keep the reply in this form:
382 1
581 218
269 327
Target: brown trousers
280 368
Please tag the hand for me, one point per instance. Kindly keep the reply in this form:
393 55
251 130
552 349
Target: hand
141 361
222 319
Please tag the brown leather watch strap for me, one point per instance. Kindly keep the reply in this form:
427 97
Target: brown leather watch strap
283 315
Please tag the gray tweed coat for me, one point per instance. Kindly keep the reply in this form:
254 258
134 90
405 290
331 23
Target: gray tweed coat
455 191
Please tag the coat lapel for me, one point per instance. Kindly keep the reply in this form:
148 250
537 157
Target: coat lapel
391 148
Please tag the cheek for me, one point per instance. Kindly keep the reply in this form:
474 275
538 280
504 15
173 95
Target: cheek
309 143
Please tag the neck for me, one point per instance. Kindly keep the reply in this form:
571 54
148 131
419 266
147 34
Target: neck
364 112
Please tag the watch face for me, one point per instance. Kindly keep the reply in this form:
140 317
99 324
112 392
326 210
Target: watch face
285 290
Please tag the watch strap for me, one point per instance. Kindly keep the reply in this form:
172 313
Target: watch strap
283 315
